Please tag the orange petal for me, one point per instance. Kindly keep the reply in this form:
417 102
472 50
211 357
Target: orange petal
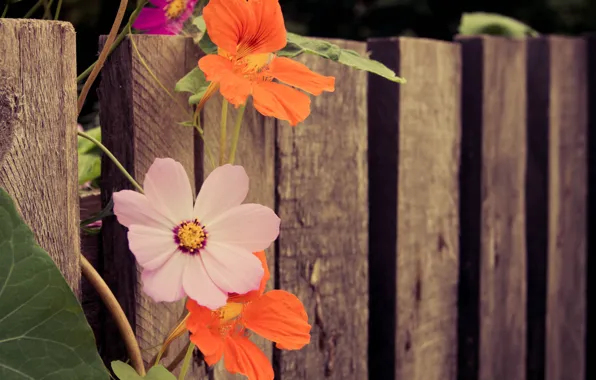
227 22
280 317
210 344
250 296
270 33
282 102
252 26
298 75
218 69
244 357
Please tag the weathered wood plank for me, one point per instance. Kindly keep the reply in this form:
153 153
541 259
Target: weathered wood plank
139 123
256 154
414 140
493 197
566 128
38 143
591 260
323 204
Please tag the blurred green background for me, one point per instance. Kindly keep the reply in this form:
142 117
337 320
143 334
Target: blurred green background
348 19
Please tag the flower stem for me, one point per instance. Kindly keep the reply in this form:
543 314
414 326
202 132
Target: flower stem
117 41
58 8
236 135
103 55
222 136
5 11
115 309
114 160
186 363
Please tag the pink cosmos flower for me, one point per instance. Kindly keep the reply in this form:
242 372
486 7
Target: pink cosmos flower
167 18
204 251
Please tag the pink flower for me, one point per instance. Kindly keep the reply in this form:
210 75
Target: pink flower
204 251
167 18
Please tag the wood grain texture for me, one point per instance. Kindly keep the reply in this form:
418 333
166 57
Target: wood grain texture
494 118
38 143
567 187
255 153
323 204
139 123
591 243
414 140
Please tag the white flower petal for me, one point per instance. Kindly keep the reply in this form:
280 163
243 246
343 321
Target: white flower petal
165 283
131 208
168 189
232 269
250 226
224 188
152 247
200 287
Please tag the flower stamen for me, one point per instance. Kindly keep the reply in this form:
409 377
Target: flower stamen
190 236
175 8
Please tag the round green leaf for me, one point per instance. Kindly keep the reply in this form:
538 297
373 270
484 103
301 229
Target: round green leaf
43 331
126 372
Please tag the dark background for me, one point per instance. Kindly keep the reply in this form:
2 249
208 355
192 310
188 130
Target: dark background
348 19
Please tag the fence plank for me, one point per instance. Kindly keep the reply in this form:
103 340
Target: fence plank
492 180
591 244
322 201
139 124
564 121
38 143
414 139
256 154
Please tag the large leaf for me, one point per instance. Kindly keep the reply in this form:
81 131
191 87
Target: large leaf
43 331
195 83
126 372
298 45
478 23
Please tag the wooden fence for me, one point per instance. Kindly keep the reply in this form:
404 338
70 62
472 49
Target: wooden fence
434 230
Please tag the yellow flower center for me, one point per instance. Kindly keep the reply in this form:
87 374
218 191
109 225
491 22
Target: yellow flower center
175 8
230 311
190 236
253 67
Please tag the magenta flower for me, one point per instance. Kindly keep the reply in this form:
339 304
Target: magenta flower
167 18
203 250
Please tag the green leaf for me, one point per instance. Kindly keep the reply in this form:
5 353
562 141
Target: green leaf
105 212
352 59
43 331
126 372
298 45
195 83
199 22
89 167
481 23
207 45
86 146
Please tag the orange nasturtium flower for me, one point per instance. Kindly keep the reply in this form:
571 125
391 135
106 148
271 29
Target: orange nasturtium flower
276 315
247 33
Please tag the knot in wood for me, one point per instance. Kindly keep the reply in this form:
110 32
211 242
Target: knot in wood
9 114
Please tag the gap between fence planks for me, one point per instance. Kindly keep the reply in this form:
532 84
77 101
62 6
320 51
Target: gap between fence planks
492 179
38 143
414 142
591 209
557 92
139 123
256 154
322 250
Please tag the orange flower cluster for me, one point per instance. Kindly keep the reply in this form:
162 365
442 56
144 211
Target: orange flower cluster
248 33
